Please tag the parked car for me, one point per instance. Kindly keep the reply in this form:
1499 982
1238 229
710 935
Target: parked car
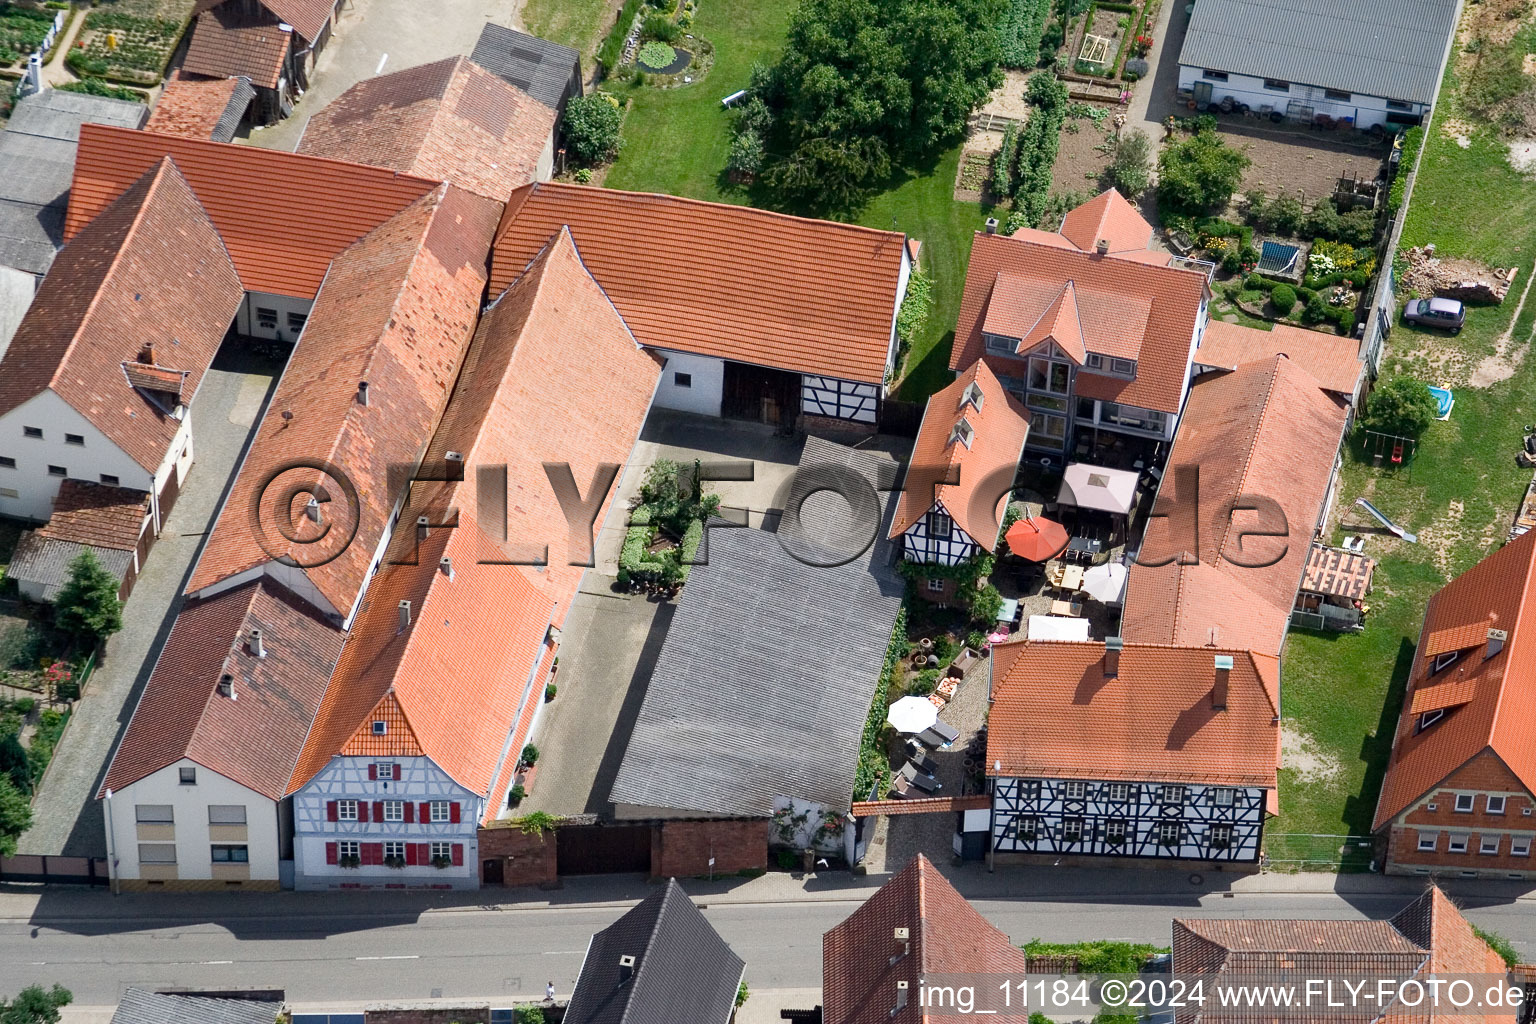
1449 314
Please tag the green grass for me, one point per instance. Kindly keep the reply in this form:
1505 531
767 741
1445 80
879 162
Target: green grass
575 23
1459 495
676 141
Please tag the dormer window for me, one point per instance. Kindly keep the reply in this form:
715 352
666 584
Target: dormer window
380 728
1002 346
1429 718
940 526
973 396
963 433
1443 661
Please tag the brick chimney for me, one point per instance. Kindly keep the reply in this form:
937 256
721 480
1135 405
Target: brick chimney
1102 247
1219 690
1112 647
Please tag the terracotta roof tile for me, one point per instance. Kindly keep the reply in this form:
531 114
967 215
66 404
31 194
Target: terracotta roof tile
1500 691
809 296
227 43
98 515
1152 721
862 961
309 17
985 468
1333 360
255 738
282 216
397 310
1110 218
450 121
200 108
1128 309
150 270
1267 429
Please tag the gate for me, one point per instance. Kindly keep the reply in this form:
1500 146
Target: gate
1299 851
603 849
760 393
168 495
55 870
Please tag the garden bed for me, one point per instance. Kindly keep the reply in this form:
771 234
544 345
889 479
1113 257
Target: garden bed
1081 158
1107 30
131 42
22 31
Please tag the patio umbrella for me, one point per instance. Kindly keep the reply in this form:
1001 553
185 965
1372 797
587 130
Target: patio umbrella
1036 538
1106 583
912 714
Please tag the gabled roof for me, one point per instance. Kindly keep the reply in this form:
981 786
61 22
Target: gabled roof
1267 429
253 739
397 310
802 643
1152 720
1127 308
542 69
282 216
682 970
449 121
1333 360
861 959
1490 702
984 468
98 515
138 1006
201 108
308 17
229 42
1108 217
150 270
810 296
1062 323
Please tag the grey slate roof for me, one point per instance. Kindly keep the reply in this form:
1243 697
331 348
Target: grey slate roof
537 66
683 970
229 122
140 1007
45 560
765 679
37 161
1391 50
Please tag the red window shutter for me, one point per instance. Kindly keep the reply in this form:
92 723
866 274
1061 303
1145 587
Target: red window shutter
373 853
362 810
378 810
330 854
426 812
373 770
423 853
453 812
410 855
410 813
330 810
458 853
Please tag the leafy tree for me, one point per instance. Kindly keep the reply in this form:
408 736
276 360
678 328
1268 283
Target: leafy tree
1401 406
747 152
1130 167
87 604
1198 174
866 86
15 818
13 762
591 129
35 1005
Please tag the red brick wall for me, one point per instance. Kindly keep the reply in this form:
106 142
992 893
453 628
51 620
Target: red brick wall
526 859
944 597
1480 776
681 849
435 1016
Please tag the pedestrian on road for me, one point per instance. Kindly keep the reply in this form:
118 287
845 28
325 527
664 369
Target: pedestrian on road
549 991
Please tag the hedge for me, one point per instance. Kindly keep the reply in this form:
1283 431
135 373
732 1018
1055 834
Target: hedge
612 50
1413 139
1037 150
1005 159
1019 32
874 766
634 566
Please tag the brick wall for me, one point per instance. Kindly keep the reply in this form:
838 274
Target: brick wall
526 859
834 429
1485 774
681 849
432 1016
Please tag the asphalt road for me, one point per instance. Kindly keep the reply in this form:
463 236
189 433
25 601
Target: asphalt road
340 951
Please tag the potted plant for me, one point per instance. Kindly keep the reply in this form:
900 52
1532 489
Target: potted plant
350 860
530 757
442 862
394 862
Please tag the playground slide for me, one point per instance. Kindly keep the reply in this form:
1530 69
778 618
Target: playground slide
1411 538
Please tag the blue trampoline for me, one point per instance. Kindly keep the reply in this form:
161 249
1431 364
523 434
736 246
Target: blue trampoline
1278 258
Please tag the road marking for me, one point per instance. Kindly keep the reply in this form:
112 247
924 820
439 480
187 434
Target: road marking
380 68
412 956
210 963
563 952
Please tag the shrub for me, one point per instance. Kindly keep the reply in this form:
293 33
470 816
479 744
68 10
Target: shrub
15 815
1283 298
915 307
924 683
660 27
1019 32
591 127
550 689
986 604
1286 215
1323 221
1038 145
1130 167
1401 406
584 176
742 993
1199 173
655 55
530 1015
530 755
747 152
1003 161
1357 227
1257 282
612 50
1232 262
1044 90
1316 310
516 794
1413 139
1136 69
976 640
1052 39
1500 945
87 604
101 87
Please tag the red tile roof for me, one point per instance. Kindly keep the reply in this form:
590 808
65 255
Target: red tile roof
192 106
309 17
1107 217
150 269
1267 429
1495 697
1126 308
253 739
397 310
226 43
1152 721
1333 360
148 377
984 469
283 217
98 515
450 121
810 296
862 960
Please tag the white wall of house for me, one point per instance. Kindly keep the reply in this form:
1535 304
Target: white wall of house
700 389
545 168
418 780
840 399
17 287
1363 109
249 320
901 293
141 847
28 490
920 545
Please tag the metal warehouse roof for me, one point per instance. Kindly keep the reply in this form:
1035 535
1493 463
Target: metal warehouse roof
1392 50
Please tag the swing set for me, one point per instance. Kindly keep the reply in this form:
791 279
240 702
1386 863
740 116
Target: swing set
1399 451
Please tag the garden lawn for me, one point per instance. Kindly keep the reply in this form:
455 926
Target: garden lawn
576 23
1460 494
676 141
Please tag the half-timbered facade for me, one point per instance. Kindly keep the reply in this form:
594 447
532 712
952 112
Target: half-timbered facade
1105 749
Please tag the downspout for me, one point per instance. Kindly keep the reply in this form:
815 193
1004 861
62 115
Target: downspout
111 845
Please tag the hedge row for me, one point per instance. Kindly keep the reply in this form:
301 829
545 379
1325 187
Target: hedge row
1413 139
1037 148
1005 159
874 765
1019 32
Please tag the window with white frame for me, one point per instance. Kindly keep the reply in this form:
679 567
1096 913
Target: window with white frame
1488 844
940 526
438 811
349 848
1496 804
1114 831
1125 366
1213 76
386 771
1172 795
394 849
1445 660
1072 830
1223 797
1429 840
1075 790
1519 846
1458 843
1169 833
1028 829
1429 718
1220 837
394 810
346 810
1000 345
1118 791
1464 802
935 585
442 851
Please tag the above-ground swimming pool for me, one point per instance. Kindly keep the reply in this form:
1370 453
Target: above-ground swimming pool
1445 400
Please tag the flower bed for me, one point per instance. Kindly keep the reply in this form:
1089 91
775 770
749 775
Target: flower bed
122 47
22 31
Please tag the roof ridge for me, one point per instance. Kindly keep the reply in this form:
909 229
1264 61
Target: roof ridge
1072 248
1272 369
1520 610
224 667
667 895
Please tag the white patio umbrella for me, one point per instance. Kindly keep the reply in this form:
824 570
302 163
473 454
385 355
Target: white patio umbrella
1106 583
912 714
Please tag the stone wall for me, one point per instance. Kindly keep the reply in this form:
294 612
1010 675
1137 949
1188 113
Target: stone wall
681 849
526 859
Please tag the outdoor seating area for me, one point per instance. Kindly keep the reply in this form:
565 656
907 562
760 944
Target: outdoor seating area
1333 589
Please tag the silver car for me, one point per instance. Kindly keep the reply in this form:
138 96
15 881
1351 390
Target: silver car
1448 314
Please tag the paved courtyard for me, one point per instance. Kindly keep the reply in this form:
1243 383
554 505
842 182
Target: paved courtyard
66 817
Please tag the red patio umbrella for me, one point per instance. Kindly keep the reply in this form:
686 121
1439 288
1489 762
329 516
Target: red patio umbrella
1036 538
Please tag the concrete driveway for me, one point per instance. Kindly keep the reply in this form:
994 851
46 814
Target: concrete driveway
374 37
66 817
